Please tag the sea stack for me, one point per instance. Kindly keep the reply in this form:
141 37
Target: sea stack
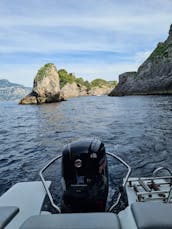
154 76
46 87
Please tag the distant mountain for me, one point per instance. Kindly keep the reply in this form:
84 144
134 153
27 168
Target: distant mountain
12 91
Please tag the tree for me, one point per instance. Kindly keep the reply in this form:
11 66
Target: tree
65 77
99 83
87 84
113 83
80 81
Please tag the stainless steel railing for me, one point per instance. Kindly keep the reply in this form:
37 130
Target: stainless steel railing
44 184
160 169
124 180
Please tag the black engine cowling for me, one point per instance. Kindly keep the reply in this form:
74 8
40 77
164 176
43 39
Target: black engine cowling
84 176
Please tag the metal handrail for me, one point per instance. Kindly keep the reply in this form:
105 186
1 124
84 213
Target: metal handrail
124 180
169 171
44 183
161 168
152 178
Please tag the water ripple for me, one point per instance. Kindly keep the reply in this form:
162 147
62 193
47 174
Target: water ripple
137 128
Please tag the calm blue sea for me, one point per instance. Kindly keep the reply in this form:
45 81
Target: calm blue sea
137 128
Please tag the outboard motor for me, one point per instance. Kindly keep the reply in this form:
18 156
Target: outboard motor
84 177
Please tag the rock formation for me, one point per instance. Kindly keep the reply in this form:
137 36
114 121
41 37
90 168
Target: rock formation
73 90
154 76
46 87
103 90
51 85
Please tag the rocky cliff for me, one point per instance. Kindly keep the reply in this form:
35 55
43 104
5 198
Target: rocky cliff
73 90
11 91
103 90
154 76
46 87
71 86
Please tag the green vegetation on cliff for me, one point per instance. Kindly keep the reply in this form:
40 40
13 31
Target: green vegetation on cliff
163 48
160 51
98 82
42 72
87 84
66 77
102 82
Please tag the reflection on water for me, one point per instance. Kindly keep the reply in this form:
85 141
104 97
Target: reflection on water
138 128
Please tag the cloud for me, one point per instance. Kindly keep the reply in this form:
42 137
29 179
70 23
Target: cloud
26 75
92 38
89 70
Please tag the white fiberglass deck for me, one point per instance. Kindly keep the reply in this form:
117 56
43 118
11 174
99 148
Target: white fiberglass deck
28 197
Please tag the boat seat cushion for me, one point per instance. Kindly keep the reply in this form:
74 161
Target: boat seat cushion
7 213
152 215
73 221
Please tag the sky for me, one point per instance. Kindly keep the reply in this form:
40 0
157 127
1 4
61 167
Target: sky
90 38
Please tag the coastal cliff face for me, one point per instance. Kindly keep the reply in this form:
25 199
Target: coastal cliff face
154 76
73 90
46 87
71 86
103 90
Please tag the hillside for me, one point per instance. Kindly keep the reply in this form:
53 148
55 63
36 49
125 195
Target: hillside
12 91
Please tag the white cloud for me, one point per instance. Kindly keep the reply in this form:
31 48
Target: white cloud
119 22
130 28
26 74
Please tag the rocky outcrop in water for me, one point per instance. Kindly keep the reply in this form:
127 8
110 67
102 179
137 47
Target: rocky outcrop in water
154 76
71 86
73 90
103 90
12 91
46 87
51 85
